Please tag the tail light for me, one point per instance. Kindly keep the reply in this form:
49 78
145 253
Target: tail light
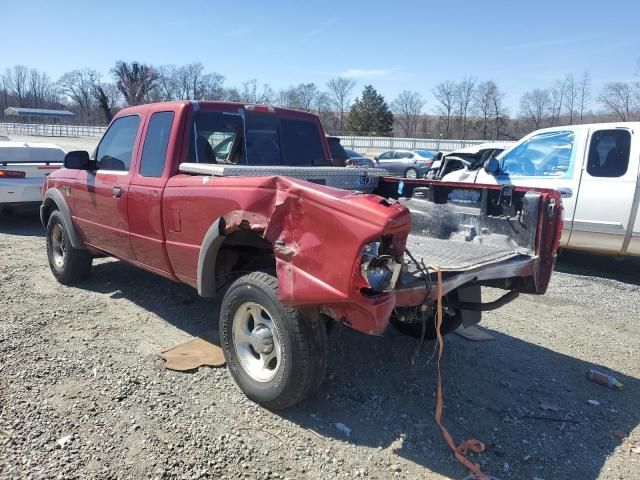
259 108
12 174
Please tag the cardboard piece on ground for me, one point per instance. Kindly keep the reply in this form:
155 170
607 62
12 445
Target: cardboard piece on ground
193 354
473 333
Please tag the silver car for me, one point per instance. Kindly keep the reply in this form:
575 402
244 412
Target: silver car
405 163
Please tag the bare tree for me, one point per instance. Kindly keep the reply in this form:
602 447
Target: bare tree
572 92
558 92
167 87
499 110
483 104
407 108
78 86
135 81
534 107
584 93
252 93
617 98
16 82
463 95
107 96
302 96
445 94
340 89
40 89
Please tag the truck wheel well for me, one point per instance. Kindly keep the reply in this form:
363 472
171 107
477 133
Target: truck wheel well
50 206
241 252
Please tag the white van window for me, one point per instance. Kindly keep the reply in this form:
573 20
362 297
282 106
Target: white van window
609 153
544 155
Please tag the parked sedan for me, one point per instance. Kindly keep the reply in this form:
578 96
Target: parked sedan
406 163
357 160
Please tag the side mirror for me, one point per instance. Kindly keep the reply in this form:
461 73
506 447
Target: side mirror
492 167
77 160
375 158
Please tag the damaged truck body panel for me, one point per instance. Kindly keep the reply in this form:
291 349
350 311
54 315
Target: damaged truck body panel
242 200
316 235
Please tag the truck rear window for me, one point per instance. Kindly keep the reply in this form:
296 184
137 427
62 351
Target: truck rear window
261 139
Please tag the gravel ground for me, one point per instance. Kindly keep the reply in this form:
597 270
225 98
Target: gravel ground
83 393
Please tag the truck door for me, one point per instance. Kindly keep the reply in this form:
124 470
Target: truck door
101 196
145 193
607 191
548 159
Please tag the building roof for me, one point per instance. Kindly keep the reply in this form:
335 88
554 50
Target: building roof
37 112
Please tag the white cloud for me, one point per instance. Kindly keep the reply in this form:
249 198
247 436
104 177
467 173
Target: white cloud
366 72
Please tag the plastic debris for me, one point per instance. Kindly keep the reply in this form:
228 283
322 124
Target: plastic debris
595 403
604 379
63 440
343 428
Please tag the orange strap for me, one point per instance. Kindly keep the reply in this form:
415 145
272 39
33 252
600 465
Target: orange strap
461 450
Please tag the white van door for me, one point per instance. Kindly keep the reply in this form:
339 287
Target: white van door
552 158
607 190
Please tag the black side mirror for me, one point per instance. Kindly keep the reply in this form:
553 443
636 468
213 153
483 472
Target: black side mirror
78 160
375 158
492 167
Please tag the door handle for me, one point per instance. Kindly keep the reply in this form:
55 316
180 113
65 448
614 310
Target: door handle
565 192
117 192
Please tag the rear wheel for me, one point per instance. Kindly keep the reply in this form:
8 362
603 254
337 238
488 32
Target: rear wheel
411 173
69 265
275 355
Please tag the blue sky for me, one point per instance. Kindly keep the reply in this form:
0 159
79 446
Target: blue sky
393 45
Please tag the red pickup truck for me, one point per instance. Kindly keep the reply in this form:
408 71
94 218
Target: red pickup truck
243 200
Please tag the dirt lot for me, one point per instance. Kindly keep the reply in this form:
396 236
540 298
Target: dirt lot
81 364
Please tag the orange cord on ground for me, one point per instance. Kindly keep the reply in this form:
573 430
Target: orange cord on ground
461 450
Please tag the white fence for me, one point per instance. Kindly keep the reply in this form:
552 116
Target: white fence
390 143
357 143
51 130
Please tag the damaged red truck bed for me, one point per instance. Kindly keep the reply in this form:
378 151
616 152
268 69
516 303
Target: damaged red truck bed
243 201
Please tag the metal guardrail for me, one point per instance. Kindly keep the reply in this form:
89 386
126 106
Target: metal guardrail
52 130
390 143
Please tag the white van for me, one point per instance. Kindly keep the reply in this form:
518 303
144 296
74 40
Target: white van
596 169
23 168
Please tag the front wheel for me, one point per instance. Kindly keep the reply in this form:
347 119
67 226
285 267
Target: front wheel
275 355
69 265
411 173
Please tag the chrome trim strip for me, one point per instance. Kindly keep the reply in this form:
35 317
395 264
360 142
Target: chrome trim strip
615 228
112 172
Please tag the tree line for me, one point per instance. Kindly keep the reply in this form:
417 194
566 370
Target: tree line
465 109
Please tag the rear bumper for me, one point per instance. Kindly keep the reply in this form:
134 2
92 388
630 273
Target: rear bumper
18 191
413 290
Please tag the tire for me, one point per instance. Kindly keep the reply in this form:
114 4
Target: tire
414 329
69 265
411 173
275 355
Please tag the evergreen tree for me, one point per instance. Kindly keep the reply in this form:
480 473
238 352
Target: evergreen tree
370 115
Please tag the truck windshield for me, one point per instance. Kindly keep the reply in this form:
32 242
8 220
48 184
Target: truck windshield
544 155
261 139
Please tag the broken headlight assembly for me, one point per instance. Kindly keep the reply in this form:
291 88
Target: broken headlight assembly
379 270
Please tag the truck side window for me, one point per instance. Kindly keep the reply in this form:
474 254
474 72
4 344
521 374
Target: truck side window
547 154
215 138
609 153
116 148
156 142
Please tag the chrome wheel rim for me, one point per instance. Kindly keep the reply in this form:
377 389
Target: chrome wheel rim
58 246
256 342
411 173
